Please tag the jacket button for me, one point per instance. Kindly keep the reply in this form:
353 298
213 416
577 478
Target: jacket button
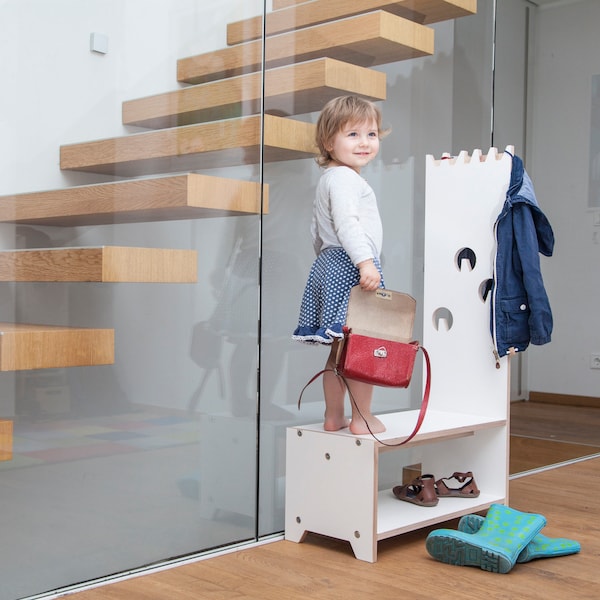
523 307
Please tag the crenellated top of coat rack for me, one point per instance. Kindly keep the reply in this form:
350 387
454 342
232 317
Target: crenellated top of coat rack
464 158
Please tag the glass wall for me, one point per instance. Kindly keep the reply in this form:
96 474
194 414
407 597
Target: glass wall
147 450
432 104
136 125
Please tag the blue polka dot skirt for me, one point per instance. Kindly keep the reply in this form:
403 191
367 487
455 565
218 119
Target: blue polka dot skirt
325 300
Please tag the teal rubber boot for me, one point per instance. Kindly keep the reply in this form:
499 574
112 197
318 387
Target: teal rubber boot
540 547
494 547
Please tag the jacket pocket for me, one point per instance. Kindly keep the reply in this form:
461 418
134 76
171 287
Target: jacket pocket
514 325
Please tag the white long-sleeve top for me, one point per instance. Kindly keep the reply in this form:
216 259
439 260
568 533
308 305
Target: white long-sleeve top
345 214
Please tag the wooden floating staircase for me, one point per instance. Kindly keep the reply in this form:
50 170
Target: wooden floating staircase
369 39
290 90
27 346
6 439
314 51
114 264
192 147
190 196
295 15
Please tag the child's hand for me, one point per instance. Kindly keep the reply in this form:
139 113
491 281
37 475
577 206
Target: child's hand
370 278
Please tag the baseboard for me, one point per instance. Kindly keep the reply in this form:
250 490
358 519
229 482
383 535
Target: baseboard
564 399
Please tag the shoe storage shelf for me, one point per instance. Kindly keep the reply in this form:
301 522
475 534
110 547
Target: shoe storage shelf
332 478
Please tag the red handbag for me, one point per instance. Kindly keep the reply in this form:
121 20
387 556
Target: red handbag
377 349
376 360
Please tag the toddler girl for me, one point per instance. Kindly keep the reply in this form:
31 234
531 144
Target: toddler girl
347 237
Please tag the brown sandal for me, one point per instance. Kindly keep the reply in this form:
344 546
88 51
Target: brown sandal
467 490
421 491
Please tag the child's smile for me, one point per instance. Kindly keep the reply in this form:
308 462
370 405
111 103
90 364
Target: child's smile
355 145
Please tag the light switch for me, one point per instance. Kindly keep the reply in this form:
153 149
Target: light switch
99 43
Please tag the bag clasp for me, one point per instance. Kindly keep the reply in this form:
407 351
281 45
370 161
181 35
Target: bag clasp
380 352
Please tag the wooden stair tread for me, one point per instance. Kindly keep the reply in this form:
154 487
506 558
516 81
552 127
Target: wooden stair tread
323 11
6 439
279 4
189 196
193 147
366 40
293 89
100 264
33 346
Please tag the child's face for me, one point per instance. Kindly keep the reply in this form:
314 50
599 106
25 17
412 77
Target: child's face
355 145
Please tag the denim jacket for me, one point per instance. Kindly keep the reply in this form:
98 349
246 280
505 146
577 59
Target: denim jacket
520 311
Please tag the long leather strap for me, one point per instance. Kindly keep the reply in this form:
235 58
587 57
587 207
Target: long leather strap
422 411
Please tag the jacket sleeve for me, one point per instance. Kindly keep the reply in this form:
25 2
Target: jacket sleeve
527 246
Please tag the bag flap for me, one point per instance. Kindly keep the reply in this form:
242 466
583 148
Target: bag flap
381 313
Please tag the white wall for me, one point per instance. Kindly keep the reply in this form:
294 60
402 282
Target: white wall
565 55
55 91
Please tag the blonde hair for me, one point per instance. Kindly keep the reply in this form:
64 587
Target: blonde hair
337 113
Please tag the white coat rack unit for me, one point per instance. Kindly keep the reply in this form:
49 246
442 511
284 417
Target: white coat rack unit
332 482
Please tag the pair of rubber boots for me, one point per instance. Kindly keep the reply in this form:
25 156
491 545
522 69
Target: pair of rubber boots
497 541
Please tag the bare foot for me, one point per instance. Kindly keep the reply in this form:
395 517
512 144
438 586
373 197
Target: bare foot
359 427
335 423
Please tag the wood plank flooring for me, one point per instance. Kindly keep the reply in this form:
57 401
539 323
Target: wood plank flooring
576 424
544 434
322 568
527 453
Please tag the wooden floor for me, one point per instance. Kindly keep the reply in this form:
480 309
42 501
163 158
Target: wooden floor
321 568
556 422
544 434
